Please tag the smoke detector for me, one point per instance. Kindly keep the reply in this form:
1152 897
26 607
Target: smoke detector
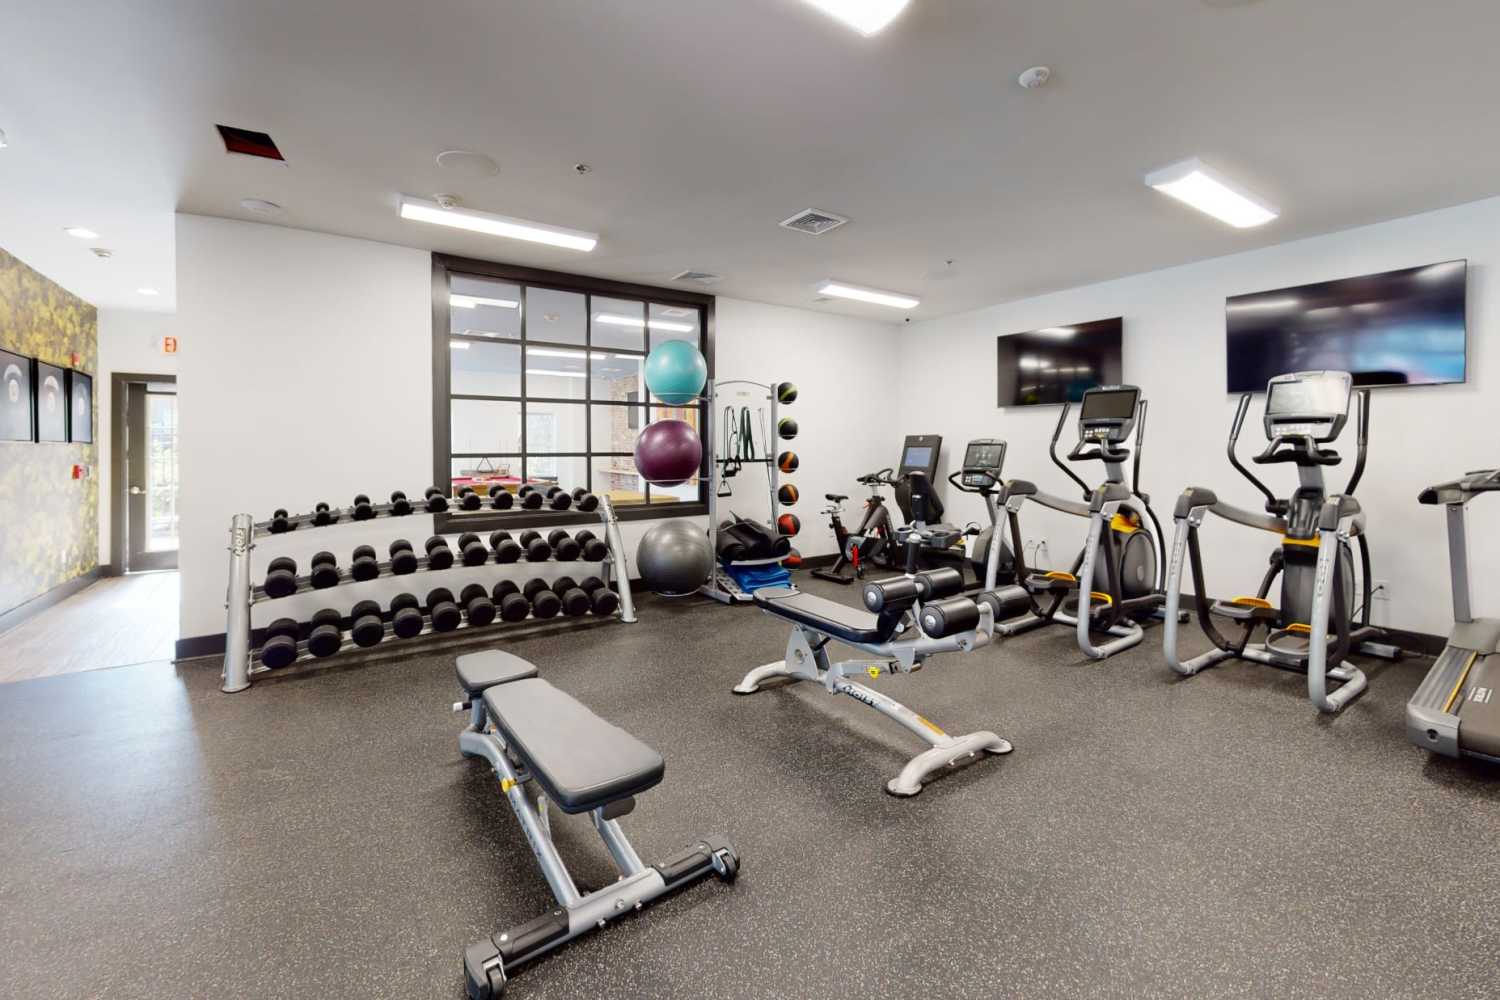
813 222
1035 78
701 277
103 253
446 200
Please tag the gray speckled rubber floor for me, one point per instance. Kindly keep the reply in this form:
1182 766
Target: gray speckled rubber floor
320 836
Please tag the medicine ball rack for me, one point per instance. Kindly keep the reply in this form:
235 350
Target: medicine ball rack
240 659
720 585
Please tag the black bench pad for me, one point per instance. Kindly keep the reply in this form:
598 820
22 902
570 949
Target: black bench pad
478 671
838 620
580 760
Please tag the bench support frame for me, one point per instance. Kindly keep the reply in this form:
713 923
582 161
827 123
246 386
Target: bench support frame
807 660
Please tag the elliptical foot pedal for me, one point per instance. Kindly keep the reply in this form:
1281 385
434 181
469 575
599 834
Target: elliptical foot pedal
1055 582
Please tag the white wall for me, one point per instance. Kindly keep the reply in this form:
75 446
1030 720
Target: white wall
1174 349
306 374
128 342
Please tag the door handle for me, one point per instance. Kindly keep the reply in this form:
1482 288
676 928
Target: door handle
136 491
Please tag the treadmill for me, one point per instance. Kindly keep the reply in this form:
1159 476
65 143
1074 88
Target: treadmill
1456 710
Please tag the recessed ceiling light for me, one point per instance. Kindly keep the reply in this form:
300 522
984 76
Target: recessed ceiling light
103 253
868 17
611 319
81 233
421 210
844 290
260 206
475 301
1035 78
147 291
1194 183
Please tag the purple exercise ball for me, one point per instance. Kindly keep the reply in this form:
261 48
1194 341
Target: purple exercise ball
668 452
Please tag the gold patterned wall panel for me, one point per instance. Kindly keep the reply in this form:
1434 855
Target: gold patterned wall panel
49 522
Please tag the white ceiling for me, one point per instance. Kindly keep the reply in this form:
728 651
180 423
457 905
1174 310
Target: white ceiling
708 121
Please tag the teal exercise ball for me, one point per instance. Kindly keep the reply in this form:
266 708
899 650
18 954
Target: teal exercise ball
676 372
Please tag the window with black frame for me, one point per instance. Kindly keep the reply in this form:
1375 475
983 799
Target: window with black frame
545 381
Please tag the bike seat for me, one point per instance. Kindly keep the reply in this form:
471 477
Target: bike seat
835 497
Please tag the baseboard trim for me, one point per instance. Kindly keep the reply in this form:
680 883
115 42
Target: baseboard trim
199 645
15 616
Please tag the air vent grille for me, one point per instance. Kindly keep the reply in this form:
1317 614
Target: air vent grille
814 222
701 277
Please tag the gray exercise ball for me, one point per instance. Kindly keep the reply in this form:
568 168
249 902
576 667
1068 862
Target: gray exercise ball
673 558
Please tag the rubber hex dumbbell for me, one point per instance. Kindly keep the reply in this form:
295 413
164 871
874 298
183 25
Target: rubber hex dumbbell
602 600
443 610
436 502
535 546
280 646
507 549
468 499
406 616
368 628
544 601
514 607
559 498
584 500
325 637
281 521
530 497
325 571
575 600
594 549
439 556
501 498
564 548
281 577
363 565
323 515
472 549
478 608
400 506
362 508
403 559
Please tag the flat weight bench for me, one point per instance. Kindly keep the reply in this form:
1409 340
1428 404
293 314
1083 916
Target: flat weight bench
530 731
900 631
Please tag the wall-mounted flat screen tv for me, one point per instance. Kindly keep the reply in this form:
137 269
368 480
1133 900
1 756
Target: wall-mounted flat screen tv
1397 328
1058 364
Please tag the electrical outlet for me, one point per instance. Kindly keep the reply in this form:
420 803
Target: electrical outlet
1381 591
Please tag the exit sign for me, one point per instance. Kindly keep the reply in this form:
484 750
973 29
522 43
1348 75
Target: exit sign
169 345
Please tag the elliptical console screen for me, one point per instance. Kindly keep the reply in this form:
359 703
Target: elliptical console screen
1110 404
1325 394
983 455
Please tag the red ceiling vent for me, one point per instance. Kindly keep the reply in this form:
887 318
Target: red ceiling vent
248 143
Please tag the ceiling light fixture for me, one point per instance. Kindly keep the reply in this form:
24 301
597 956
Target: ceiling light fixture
475 301
1194 183
611 319
81 233
421 210
554 372
548 352
1058 332
843 290
1256 305
868 17
147 291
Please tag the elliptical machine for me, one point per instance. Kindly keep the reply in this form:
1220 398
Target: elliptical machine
1123 555
1304 411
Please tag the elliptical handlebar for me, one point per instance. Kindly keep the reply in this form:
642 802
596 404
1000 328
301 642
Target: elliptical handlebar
1363 397
1140 440
1273 505
1062 420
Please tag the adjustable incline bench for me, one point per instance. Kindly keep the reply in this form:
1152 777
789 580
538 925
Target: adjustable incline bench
907 622
530 731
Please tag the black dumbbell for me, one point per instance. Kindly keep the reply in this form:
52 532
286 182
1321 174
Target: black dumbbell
602 600
535 546
544 602
368 628
468 499
530 497
443 611
436 502
507 549
514 607
478 608
559 498
594 549
501 498
280 646
406 616
563 545
363 508
325 637
325 571
439 556
403 559
281 521
400 506
575 601
363 565
281 577
323 515
473 550
584 500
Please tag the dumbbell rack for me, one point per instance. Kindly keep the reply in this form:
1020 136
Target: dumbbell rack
720 585
240 662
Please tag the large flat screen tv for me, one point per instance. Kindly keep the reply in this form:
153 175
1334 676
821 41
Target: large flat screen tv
1396 328
1058 364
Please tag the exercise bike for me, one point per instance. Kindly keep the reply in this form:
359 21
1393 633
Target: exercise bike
874 537
1316 625
1115 582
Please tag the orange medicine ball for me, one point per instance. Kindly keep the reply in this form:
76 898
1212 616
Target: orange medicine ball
788 524
787 461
